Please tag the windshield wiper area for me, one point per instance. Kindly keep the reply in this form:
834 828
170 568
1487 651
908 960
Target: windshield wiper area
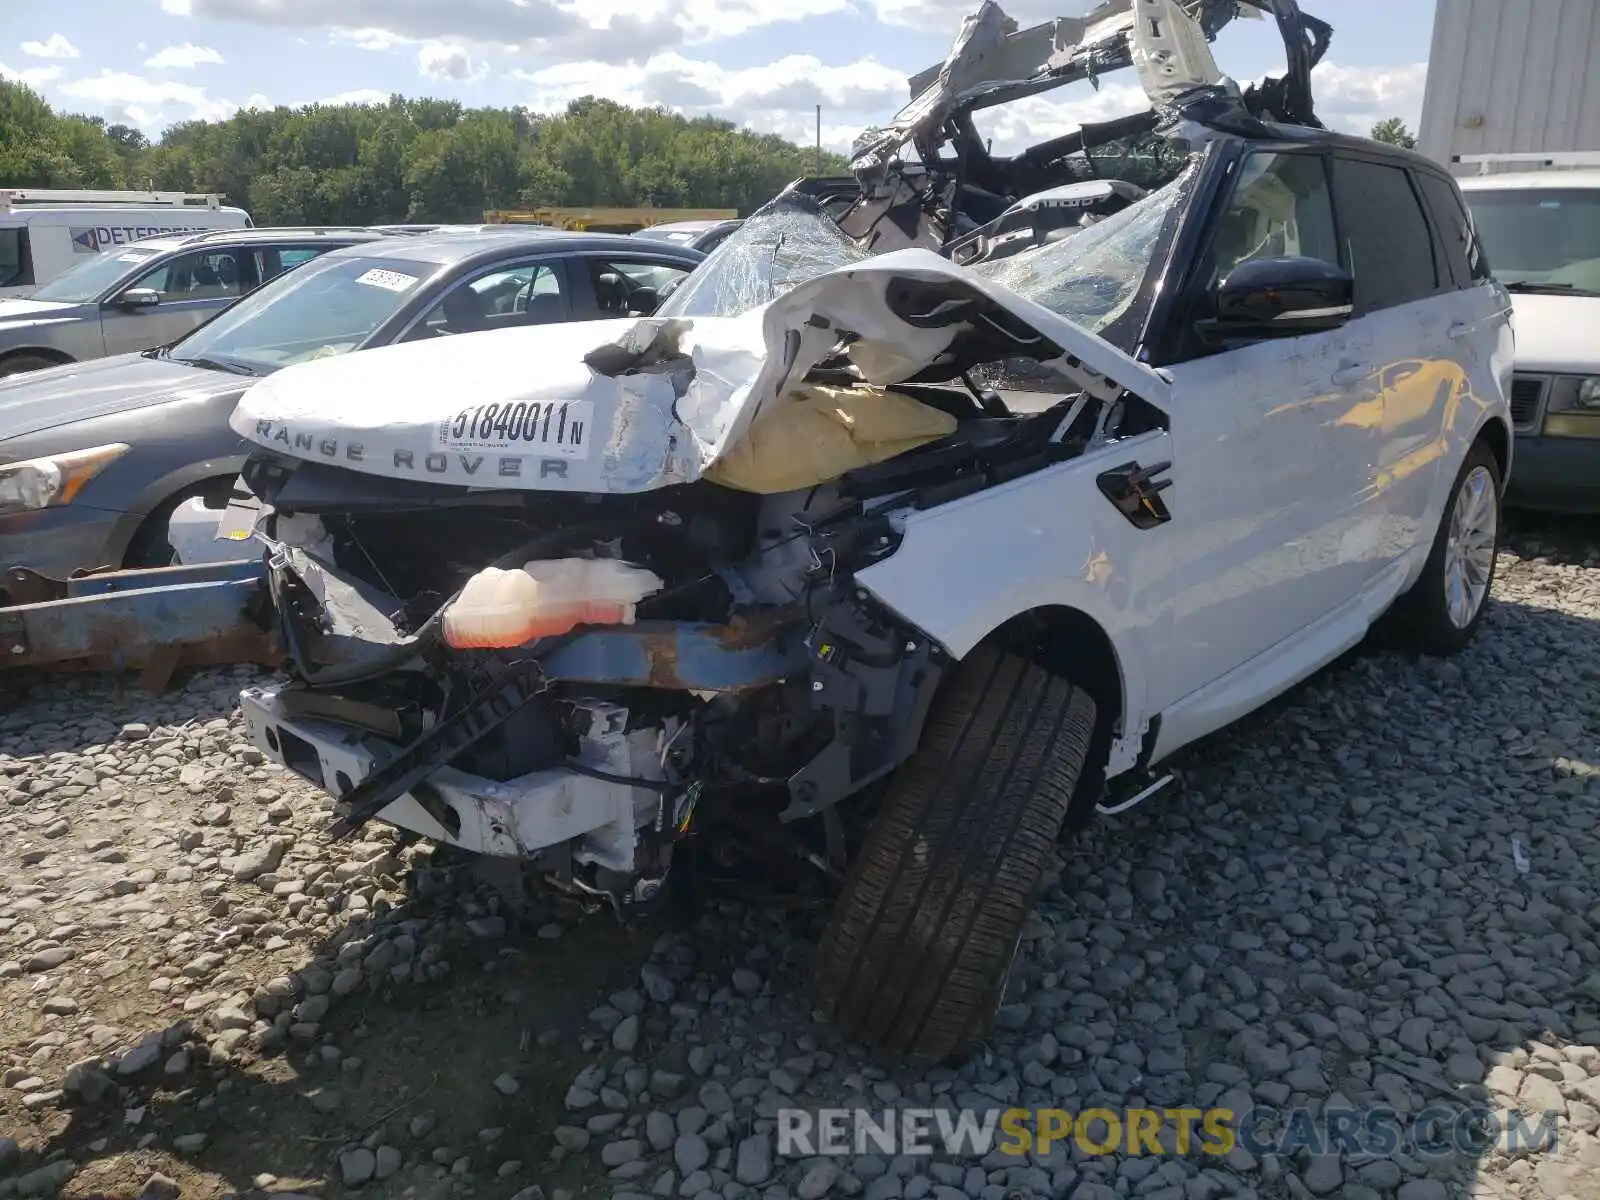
1532 288
218 364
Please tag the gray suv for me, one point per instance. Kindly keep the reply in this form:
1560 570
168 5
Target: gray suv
151 292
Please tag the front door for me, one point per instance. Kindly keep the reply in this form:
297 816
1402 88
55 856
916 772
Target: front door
192 288
1275 448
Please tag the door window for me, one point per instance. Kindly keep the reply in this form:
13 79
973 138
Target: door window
1460 236
1281 207
625 286
1391 245
272 261
203 275
529 294
16 266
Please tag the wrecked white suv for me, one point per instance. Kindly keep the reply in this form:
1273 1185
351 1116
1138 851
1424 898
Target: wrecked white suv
884 564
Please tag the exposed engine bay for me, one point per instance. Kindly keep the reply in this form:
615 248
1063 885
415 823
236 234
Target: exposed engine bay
602 605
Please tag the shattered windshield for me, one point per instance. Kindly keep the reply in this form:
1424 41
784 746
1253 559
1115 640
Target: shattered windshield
777 249
1091 277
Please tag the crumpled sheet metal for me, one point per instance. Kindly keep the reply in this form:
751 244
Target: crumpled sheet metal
665 397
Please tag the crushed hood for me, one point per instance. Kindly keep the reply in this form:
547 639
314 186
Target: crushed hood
638 404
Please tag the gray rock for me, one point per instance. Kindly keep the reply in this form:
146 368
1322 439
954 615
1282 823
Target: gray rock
385 1162
817 1180
626 1035
139 1058
754 1162
255 861
614 1154
572 1137
691 1153
357 1166
506 1085
48 1179
660 1130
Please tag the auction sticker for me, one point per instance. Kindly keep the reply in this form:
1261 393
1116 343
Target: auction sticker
393 281
562 427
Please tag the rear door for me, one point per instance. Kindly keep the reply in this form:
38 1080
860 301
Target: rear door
192 287
620 285
533 291
1404 306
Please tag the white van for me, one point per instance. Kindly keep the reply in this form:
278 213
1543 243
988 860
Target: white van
43 232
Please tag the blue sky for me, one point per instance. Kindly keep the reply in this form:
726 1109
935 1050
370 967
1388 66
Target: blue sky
761 63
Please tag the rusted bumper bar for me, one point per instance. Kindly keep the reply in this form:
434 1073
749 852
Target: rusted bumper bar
136 618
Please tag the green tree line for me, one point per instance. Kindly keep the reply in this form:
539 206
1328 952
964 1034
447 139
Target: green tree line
409 159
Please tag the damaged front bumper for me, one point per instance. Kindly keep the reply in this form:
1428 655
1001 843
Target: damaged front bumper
593 819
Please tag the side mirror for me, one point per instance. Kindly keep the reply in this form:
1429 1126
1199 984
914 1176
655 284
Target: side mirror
643 302
1279 297
138 298
669 287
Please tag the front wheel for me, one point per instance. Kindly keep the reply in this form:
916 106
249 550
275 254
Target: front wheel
1442 611
916 955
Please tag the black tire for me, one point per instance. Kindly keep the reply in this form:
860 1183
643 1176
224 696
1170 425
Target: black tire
18 363
916 954
1422 616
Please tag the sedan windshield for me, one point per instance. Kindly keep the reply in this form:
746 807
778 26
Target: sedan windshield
90 279
1549 237
327 307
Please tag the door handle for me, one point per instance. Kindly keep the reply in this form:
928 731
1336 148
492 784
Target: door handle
1458 331
1350 372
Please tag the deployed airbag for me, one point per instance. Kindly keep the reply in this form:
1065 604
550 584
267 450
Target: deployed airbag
816 433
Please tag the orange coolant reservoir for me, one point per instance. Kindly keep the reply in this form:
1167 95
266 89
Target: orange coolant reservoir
499 609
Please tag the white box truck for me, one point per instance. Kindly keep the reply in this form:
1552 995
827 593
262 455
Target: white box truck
45 231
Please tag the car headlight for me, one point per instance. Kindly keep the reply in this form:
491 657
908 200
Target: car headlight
55 479
1589 394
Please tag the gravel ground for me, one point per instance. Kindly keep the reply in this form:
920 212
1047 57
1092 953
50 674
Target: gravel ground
1382 891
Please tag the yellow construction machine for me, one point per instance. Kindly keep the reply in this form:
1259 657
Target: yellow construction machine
607 220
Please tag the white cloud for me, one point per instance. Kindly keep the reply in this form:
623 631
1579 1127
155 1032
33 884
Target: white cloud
445 60
184 57
177 8
1354 99
780 97
359 96
33 77
148 104
55 46
256 103
377 40
558 30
